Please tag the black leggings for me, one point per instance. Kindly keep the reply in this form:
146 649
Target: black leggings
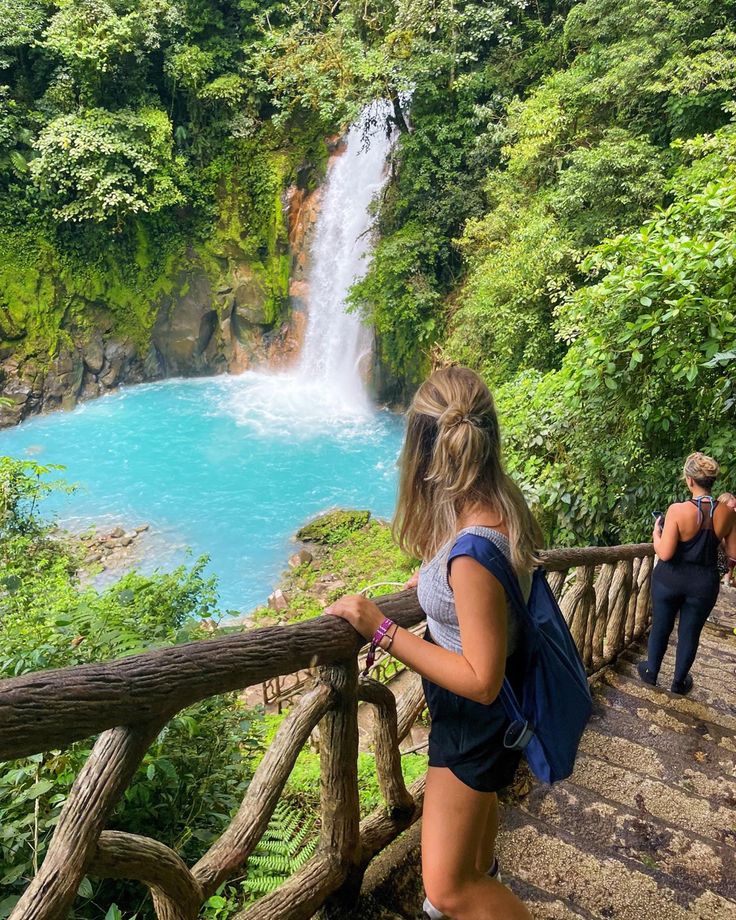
687 589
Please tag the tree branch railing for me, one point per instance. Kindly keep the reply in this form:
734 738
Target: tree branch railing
604 594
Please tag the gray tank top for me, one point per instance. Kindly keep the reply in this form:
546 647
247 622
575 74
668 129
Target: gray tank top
436 599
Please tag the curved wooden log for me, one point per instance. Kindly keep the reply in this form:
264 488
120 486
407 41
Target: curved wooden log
379 828
50 709
643 598
409 706
176 894
302 894
96 790
386 746
556 582
619 596
578 605
631 605
339 839
229 853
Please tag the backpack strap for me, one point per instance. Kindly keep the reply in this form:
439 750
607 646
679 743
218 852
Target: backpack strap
490 557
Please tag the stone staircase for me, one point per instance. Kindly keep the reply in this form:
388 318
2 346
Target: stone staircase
645 829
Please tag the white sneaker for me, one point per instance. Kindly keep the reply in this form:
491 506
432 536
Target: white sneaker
431 911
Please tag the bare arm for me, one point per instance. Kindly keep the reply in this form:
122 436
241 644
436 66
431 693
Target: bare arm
665 543
478 673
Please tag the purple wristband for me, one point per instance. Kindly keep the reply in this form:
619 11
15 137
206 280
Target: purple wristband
377 636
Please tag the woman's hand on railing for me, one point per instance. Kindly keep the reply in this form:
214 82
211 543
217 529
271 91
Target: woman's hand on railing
361 612
413 581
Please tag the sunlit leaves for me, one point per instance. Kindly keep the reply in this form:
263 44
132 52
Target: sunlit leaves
100 165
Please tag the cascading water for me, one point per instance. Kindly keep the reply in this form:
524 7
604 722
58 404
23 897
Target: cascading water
328 385
231 466
336 341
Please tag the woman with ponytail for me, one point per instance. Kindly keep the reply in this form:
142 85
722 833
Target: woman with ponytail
452 483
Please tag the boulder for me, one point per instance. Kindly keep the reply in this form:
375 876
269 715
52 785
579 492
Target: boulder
118 356
303 557
94 353
182 332
333 526
278 601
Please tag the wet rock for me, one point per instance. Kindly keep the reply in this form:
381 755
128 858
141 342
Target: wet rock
94 353
118 356
117 532
141 528
178 333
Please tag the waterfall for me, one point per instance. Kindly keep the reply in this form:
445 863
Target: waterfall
327 387
336 342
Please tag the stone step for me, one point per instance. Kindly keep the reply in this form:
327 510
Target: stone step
708 713
545 906
653 844
682 747
597 883
715 686
645 795
651 711
690 771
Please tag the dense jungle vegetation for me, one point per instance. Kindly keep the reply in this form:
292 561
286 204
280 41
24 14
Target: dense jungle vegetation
560 215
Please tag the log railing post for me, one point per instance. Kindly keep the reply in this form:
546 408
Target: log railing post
340 800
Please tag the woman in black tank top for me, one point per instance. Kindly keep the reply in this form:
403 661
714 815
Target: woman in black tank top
685 580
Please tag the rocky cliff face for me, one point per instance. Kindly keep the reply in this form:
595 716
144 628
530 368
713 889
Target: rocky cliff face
221 311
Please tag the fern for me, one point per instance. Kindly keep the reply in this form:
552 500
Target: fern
286 845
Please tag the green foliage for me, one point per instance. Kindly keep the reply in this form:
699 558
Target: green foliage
504 319
194 775
649 373
101 165
333 526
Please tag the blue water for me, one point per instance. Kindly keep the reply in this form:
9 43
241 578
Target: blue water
224 466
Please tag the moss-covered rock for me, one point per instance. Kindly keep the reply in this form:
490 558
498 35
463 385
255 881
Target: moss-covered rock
174 294
333 527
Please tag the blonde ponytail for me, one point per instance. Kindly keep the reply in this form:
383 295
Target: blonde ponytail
451 458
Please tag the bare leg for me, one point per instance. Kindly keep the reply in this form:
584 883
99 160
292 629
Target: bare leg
487 840
455 819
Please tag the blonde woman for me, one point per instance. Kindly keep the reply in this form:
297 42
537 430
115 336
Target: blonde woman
685 581
453 483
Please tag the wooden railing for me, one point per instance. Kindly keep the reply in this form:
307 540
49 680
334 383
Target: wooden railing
605 595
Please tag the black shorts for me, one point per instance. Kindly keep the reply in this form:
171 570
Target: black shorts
467 737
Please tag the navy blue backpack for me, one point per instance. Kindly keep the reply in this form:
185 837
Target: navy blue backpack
549 719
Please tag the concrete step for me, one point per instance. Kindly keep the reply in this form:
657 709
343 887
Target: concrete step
654 844
697 709
689 771
713 686
598 883
652 711
545 906
645 795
